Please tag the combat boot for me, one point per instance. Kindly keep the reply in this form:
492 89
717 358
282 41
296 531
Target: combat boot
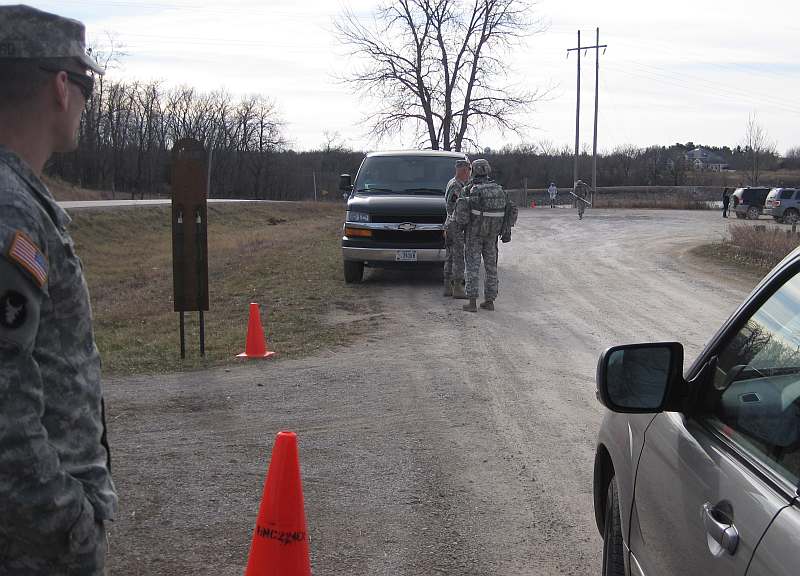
448 287
488 305
458 290
470 307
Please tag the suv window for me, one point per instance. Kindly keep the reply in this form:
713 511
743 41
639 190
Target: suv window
754 398
405 175
786 194
755 196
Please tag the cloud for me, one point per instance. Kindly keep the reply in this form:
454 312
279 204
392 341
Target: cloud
684 70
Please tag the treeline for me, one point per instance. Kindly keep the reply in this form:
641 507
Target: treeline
129 128
536 165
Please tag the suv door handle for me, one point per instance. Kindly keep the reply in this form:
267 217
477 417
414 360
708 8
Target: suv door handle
723 533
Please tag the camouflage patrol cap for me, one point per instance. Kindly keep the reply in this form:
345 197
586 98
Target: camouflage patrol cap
462 162
480 167
27 33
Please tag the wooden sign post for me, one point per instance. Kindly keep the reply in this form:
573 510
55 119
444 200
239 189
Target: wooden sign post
190 233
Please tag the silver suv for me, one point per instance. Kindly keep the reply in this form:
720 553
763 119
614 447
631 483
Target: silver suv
783 204
699 472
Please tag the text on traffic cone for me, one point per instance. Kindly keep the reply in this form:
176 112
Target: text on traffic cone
280 539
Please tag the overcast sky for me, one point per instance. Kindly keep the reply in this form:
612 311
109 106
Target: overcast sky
674 71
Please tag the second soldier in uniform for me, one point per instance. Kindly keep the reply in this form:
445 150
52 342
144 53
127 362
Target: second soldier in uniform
454 263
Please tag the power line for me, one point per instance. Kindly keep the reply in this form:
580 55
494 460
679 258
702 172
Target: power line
717 91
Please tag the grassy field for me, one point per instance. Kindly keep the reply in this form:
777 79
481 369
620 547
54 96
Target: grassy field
286 257
65 191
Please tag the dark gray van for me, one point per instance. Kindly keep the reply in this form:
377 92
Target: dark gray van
396 211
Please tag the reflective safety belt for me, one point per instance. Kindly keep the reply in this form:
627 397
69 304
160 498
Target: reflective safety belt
489 213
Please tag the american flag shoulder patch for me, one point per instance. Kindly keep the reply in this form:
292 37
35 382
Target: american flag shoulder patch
27 254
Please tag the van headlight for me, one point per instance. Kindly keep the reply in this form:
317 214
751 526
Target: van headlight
357 216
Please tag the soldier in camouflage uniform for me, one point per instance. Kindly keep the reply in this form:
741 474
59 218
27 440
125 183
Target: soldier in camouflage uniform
581 193
56 490
454 239
484 223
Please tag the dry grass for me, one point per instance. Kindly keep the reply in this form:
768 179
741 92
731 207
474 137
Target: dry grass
660 202
756 247
63 191
284 256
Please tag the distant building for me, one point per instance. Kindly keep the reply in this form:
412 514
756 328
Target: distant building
702 159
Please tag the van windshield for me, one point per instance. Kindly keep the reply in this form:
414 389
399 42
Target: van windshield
424 175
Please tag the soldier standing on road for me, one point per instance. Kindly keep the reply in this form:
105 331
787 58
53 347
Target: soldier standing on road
56 490
454 234
553 192
482 212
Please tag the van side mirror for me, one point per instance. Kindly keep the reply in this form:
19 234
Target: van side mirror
641 378
345 183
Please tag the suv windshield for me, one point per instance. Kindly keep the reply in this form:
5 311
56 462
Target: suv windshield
426 175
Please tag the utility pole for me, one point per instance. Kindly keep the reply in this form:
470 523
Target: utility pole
596 93
577 110
314 176
585 49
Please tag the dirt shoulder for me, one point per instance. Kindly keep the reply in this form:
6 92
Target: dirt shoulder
285 257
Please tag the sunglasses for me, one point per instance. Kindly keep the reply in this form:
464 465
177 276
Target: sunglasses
82 81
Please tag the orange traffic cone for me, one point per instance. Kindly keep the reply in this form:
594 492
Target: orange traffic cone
280 540
256 345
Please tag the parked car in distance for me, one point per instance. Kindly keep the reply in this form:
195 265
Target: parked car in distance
699 472
783 204
396 210
749 202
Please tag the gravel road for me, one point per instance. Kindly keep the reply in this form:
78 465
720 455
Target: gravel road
444 443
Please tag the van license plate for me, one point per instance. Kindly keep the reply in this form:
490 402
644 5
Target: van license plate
406 256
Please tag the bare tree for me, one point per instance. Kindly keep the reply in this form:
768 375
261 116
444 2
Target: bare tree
333 142
437 66
758 147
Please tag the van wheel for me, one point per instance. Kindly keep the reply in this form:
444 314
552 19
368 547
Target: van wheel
353 271
791 216
753 213
613 554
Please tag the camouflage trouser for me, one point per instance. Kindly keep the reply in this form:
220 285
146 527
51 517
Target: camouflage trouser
454 262
88 560
477 247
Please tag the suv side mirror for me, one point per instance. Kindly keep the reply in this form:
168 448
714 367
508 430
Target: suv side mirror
641 378
345 183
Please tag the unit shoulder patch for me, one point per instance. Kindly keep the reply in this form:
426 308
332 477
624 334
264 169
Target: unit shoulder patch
13 310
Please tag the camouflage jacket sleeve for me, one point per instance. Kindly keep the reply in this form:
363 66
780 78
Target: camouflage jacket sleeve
452 194
41 505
